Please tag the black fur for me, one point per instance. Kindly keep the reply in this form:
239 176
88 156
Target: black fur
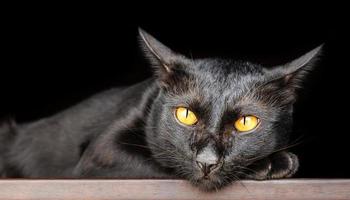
132 133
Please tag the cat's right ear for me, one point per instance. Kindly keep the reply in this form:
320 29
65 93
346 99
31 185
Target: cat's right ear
163 59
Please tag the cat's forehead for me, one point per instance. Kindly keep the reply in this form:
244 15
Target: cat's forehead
225 76
218 82
220 69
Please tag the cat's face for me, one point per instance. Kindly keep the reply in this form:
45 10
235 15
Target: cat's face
214 117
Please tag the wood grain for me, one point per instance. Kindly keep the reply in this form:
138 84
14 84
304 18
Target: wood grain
286 189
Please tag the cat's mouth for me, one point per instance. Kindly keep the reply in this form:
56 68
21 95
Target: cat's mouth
207 181
208 171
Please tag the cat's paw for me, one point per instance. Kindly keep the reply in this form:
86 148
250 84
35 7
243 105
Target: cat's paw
279 165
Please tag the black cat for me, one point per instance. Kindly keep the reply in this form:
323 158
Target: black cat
211 121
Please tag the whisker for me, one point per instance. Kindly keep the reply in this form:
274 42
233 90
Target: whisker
278 150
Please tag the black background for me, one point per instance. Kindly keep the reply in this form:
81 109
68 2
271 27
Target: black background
56 58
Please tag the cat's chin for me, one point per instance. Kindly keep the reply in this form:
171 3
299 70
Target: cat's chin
208 184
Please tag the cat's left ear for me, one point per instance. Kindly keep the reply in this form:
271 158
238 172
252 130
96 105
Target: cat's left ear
293 73
163 59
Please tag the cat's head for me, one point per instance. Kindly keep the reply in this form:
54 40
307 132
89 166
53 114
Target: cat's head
214 117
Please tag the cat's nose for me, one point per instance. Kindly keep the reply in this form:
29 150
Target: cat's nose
207 167
207 160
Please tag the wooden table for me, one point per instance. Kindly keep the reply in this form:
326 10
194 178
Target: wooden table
172 189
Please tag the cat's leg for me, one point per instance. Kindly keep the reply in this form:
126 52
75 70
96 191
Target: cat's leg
279 165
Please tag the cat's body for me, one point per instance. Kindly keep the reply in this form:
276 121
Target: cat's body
133 132
52 147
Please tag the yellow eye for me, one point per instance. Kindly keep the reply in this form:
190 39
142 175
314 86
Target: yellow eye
246 123
185 116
